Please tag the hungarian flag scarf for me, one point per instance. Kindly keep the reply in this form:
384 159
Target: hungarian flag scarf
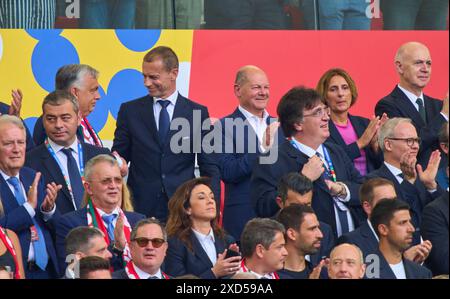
95 220
10 247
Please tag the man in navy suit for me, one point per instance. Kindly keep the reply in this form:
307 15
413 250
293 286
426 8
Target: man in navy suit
295 188
162 158
245 132
304 119
371 192
104 197
413 65
435 228
28 207
148 249
399 143
62 157
14 109
392 223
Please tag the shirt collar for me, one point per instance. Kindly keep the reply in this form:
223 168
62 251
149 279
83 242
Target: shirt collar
6 177
249 115
201 237
412 97
101 212
57 148
307 150
394 170
144 275
172 98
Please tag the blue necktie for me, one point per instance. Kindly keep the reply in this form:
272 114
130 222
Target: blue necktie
40 251
109 219
164 121
422 113
74 176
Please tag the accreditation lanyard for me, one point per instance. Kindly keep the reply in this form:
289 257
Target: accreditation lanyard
331 171
65 174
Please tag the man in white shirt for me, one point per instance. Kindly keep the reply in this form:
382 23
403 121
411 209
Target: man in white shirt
392 223
263 248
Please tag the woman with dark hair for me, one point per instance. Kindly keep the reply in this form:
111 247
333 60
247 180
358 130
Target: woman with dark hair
357 135
197 245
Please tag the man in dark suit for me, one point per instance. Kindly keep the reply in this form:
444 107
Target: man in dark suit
28 204
14 109
61 158
244 138
413 64
346 262
371 192
105 200
435 228
399 143
304 119
392 223
148 238
162 158
295 188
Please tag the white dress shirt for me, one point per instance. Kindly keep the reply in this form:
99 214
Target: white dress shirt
170 108
62 157
115 212
144 275
399 270
258 124
207 242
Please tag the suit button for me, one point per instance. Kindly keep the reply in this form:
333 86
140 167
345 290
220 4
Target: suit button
163 155
163 176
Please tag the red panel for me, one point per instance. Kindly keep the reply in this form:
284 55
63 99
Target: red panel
300 57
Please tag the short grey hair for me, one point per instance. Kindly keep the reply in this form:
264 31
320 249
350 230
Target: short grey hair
73 75
96 160
387 130
360 254
148 221
259 231
6 119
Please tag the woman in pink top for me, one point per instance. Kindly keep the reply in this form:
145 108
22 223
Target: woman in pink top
358 135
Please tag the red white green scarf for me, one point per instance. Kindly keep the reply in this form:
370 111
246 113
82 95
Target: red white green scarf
10 247
274 275
95 220
132 274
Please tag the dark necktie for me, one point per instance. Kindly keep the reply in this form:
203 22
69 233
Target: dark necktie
109 219
164 121
421 110
40 251
153 277
74 176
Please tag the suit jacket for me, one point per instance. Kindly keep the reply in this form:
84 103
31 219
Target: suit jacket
373 160
412 270
363 237
40 160
435 228
415 195
78 218
4 109
39 134
156 171
18 220
397 104
236 167
265 178
181 261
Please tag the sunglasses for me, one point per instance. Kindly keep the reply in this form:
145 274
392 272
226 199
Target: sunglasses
143 242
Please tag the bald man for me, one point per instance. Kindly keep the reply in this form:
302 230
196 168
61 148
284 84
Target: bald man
413 65
346 262
243 143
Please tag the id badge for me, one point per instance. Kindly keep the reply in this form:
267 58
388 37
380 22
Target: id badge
34 234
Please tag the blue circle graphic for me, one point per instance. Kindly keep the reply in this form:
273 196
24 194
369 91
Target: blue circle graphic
138 40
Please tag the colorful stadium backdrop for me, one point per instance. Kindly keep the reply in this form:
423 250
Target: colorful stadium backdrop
29 60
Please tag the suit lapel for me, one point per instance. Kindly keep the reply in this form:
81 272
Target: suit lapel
148 118
199 251
7 197
55 172
334 134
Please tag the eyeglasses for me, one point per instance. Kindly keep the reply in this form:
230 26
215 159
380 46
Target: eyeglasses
143 242
319 112
109 181
409 141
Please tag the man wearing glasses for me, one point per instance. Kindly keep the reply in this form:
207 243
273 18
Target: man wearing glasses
148 248
417 186
106 206
304 119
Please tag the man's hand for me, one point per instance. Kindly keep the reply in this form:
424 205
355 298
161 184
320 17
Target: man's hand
336 188
315 274
408 167
369 133
428 177
313 169
269 135
124 164
418 253
120 240
33 192
16 102
50 197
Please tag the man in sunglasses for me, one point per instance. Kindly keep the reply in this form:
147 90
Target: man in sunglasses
400 144
148 246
